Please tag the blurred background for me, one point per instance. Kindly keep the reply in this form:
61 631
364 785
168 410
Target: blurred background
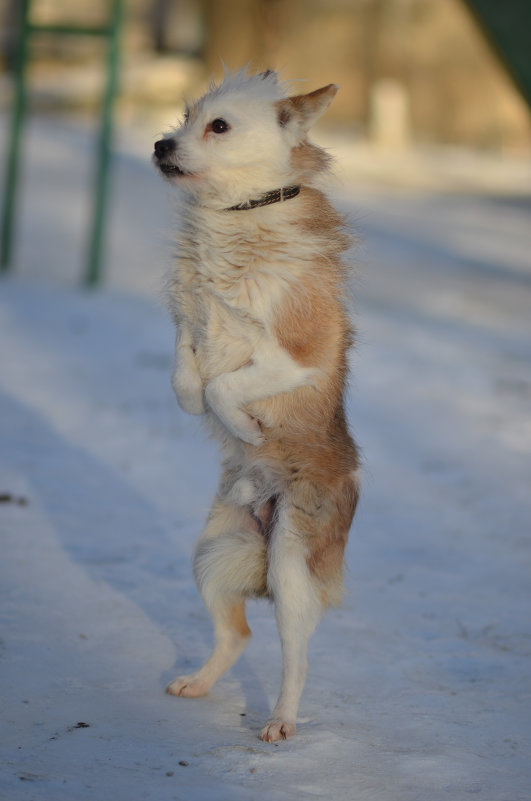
432 91
431 56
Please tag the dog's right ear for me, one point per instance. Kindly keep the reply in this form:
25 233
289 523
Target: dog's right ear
301 111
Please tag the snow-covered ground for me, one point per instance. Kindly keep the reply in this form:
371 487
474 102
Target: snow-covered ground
420 685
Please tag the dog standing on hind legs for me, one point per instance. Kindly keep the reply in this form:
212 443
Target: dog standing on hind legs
257 295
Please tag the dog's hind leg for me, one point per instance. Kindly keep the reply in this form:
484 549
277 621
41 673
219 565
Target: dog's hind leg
298 609
231 635
229 566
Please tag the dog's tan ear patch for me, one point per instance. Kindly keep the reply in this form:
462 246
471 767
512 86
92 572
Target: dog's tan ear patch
304 110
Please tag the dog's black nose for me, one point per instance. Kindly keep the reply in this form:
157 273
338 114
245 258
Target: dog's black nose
164 147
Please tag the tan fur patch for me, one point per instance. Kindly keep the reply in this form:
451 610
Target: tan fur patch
239 621
307 159
325 556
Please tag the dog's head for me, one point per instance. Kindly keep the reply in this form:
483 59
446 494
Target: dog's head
242 139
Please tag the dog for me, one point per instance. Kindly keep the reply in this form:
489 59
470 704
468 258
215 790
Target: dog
257 294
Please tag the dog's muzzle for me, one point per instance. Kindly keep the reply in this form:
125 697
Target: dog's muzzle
164 150
164 147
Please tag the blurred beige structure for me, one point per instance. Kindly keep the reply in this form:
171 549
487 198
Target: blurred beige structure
442 78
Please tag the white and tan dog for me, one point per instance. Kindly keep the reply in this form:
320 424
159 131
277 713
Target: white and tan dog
257 294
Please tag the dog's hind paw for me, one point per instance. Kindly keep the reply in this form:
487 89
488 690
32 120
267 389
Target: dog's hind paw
188 687
277 730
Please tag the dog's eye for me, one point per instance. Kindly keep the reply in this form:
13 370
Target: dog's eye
219 126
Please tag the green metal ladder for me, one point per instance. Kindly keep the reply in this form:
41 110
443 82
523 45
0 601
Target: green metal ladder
27 30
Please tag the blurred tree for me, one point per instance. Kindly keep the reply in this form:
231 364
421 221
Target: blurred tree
240 32
8 38
508 28
176 26
159 24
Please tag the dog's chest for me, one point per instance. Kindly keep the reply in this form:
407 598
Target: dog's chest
244 268
228 314
229 288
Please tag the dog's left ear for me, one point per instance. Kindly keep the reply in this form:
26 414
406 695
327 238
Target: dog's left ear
268 74
301 111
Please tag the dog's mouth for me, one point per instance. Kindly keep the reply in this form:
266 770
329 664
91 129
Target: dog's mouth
171 169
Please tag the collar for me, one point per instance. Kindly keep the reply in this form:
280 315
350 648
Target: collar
275 196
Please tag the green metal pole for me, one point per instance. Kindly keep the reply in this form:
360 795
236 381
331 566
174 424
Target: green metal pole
94 266
13 151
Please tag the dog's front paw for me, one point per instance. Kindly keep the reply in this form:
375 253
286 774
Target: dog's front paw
189 391
250 430
188 687
277 729
242 425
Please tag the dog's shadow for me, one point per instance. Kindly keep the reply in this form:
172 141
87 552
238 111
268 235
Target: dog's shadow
257 704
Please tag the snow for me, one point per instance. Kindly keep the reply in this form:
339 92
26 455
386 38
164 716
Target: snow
419 686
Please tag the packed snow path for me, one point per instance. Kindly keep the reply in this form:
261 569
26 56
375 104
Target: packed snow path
419 686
